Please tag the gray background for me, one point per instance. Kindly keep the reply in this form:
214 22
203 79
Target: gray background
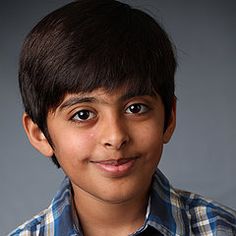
201 155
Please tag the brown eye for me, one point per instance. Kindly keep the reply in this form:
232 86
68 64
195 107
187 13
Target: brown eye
137 108
83 115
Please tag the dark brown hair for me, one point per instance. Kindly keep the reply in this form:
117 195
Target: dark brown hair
91 44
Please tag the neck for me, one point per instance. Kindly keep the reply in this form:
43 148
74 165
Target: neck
99 217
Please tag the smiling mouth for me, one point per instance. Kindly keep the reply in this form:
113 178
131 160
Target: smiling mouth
114 162
116 168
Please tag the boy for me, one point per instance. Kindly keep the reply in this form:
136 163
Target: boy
97 83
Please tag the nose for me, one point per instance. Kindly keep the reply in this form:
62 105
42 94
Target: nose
114 134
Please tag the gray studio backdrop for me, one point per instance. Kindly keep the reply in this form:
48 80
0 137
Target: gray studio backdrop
201 155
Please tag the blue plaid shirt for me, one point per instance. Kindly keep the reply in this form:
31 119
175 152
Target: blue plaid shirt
170 212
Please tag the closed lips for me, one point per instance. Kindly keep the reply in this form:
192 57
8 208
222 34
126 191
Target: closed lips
115 162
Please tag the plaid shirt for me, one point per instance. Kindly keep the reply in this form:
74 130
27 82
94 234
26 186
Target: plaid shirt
170 212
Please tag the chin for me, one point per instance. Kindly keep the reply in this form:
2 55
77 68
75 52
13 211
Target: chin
122 194
118 199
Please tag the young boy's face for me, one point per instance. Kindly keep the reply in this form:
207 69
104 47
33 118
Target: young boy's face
109 144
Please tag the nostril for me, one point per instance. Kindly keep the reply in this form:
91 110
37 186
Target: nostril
115 145
108 145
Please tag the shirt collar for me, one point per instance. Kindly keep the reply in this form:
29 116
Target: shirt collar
165 210
64 213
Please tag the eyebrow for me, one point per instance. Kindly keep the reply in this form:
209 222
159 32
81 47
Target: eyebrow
130 94
76 100
87 99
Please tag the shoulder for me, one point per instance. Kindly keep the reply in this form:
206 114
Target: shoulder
206 215
40 223
186 213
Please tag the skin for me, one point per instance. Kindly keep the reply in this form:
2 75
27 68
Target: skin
109 144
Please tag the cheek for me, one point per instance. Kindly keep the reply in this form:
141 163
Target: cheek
150 136
151 145
74 146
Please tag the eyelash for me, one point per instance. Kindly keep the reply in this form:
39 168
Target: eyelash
144 108
89 115
86 112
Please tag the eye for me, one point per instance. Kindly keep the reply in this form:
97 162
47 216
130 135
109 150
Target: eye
137 108
83 115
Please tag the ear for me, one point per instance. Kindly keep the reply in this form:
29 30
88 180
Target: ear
171 125
36 136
